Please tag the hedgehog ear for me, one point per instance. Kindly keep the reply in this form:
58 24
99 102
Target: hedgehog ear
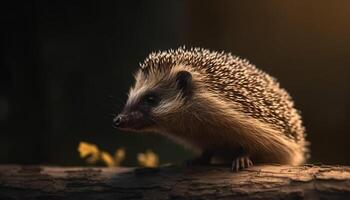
184 82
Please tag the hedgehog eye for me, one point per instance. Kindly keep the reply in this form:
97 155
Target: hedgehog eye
150 99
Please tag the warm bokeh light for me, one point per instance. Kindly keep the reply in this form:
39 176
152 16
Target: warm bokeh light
148 159
90 151
93 155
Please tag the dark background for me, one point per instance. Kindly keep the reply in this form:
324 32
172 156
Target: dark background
61 61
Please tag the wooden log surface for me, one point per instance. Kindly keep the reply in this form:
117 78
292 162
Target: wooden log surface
171 182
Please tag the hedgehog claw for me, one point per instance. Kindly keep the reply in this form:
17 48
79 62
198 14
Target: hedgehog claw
241 163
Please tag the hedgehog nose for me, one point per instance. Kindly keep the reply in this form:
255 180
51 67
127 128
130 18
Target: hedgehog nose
120 121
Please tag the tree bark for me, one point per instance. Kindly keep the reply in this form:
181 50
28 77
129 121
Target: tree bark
170 182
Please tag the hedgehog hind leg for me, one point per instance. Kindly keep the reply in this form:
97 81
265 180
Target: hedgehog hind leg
241 162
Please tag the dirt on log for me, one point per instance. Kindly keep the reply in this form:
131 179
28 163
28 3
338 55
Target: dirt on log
170 182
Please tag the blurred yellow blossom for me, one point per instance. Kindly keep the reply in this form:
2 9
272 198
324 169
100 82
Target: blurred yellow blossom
148 159
119 155
89 150
94 154
107 159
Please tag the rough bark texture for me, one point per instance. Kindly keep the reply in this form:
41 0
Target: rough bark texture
259 182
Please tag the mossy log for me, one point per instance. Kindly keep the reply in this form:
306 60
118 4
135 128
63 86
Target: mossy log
170 182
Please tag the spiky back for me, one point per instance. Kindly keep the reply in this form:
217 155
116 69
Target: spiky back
236 80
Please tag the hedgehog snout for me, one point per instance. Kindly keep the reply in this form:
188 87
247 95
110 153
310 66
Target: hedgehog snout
120 121
129 121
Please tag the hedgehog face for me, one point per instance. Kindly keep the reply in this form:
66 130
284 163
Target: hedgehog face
154 99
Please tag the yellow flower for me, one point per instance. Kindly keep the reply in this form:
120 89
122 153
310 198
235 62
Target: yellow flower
107 159
94 154
119 156
148 159
86 149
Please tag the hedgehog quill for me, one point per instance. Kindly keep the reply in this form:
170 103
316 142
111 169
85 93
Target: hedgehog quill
219 105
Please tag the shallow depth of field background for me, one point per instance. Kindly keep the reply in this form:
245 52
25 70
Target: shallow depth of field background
66 66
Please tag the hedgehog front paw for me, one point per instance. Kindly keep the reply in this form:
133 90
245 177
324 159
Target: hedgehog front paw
241 163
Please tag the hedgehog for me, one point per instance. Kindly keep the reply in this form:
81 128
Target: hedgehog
219 105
